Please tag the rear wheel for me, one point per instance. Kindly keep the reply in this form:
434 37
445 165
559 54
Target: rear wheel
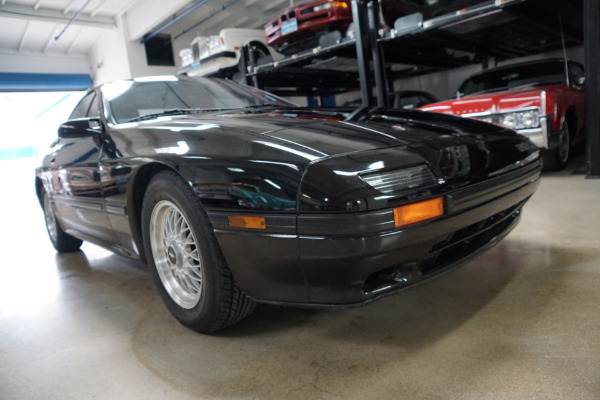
189 269
555 159
62 242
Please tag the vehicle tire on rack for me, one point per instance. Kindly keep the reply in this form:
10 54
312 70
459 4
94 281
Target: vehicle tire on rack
186 262
62 242
555 159
260 54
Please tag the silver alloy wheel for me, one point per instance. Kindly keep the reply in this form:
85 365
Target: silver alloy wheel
564 143
50 219
176 254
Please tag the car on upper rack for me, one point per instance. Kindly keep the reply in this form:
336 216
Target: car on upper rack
234 196
299 27
543 100
221 55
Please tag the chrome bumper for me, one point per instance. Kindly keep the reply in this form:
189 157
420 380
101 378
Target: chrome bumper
539 136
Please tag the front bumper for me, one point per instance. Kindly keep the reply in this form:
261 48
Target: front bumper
213 63
541 136
309 26
345 260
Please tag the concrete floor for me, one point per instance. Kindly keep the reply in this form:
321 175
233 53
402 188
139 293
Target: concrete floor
520 322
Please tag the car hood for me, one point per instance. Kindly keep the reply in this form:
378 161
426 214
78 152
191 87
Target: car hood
491 102
316 135
271 160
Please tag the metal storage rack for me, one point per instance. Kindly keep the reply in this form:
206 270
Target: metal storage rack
484 33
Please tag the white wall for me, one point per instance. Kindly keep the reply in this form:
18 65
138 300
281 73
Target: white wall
143 16
108 58
115 56
38 63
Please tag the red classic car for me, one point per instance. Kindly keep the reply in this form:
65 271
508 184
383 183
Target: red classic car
543 100
298 28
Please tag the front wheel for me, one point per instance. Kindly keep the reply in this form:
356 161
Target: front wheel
189 269
62 242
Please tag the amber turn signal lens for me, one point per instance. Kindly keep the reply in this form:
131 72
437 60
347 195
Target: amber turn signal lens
417 212
239 221
339 4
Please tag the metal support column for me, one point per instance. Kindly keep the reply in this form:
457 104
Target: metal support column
363 52
377 54
591 16
246 59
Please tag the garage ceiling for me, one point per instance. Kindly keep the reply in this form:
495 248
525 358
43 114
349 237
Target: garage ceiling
35 26
31 26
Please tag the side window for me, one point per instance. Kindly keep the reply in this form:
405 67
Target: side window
81 110
94 108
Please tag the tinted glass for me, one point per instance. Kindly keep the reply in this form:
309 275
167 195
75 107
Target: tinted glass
128 100
82 109
516 77
94 110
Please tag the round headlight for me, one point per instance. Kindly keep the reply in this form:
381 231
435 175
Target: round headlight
530 119
510 120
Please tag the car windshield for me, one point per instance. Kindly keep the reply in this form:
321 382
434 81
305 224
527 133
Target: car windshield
515 77
135 99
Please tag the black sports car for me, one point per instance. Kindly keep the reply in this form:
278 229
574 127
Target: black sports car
234 196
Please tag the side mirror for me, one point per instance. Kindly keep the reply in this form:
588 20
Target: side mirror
581 81
78 128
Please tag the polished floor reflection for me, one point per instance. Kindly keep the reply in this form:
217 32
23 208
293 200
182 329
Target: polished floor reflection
520 322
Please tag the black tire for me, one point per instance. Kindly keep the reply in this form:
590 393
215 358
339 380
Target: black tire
186 262
556 159
259 53
62 242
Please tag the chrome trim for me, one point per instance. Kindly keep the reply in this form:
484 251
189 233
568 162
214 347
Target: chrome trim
539 136
83 203
527 160
116 209
473 115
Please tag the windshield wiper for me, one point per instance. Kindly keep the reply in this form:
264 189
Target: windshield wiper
177 111
264 106
185 111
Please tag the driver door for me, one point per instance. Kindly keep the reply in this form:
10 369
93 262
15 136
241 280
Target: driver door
78 185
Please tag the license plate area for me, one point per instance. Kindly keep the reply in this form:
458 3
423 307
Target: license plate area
289 26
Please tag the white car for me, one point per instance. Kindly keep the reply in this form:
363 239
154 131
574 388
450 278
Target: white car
211 54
